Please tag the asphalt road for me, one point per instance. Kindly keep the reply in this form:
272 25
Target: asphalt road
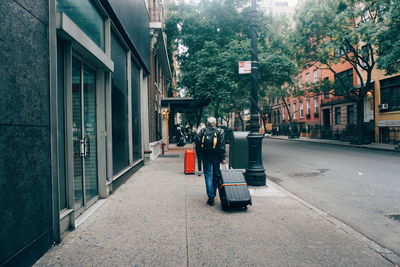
357 186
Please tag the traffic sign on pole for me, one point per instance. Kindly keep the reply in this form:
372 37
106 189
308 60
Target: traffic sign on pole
244 67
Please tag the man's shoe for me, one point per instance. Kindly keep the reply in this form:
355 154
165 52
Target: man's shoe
199 173
210 201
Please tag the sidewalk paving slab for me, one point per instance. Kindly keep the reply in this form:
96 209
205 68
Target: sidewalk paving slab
159 217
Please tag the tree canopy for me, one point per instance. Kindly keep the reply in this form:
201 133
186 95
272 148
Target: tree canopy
211 37
389 40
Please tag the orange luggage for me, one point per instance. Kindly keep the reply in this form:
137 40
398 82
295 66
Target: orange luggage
190 159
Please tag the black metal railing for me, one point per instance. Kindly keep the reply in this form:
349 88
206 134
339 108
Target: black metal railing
389 135
348 134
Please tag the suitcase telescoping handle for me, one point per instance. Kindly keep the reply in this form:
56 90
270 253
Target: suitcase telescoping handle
226 166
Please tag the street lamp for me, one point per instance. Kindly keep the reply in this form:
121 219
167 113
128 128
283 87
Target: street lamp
255 172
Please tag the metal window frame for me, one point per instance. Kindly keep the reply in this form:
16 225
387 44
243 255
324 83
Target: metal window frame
82 43
136 62
144 111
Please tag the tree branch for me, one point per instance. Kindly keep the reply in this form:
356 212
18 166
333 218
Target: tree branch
334 72
357 56
371 51
351 61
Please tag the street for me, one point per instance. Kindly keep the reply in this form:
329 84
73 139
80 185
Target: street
359 187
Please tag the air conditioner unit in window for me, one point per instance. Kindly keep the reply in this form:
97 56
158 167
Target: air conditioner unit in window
383 106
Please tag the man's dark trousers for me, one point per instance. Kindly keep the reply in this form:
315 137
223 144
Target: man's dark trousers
211 163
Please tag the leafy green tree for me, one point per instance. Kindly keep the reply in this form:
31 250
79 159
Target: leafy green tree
211 38
277 66
389 40
337 31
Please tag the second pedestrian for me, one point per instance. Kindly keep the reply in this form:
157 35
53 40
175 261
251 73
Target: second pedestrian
197 145
213 151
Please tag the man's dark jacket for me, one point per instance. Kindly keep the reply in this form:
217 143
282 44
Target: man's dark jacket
219 151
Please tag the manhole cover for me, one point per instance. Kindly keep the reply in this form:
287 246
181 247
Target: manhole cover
169 156
395 217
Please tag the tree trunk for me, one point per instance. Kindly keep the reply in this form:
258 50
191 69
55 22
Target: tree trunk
359 137
291 132
264 119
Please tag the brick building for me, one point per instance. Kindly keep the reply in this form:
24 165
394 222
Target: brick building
320 115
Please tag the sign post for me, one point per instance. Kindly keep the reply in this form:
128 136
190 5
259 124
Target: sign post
255 172
244 67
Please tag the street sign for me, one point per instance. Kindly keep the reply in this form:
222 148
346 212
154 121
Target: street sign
388 123
244 67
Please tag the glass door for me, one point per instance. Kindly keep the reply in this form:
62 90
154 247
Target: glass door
84 133
89 132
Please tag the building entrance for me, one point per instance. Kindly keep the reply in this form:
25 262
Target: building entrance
327 118
84 134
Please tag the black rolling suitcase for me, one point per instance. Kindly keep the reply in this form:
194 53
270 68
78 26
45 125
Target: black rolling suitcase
233 191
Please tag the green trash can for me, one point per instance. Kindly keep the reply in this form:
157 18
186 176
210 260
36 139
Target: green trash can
238 150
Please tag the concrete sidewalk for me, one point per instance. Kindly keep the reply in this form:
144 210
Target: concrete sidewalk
374 146
159 217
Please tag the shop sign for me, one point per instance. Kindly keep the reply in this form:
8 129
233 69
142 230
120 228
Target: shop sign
244 67
389 123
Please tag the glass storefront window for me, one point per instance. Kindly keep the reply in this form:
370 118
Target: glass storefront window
136 128
119 106
390 93
90 127
86 16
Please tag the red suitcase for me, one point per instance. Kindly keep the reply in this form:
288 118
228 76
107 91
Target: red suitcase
190 159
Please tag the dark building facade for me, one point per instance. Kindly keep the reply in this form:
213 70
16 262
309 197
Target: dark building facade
26 226
74 91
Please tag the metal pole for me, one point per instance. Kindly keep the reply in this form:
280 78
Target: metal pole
255 172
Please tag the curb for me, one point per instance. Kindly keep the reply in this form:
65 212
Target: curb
337 144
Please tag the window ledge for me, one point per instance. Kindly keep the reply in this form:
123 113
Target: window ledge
65 212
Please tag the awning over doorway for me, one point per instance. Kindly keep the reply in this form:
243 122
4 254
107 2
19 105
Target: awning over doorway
184 104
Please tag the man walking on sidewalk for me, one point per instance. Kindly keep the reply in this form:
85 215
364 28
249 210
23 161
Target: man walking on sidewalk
213 148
